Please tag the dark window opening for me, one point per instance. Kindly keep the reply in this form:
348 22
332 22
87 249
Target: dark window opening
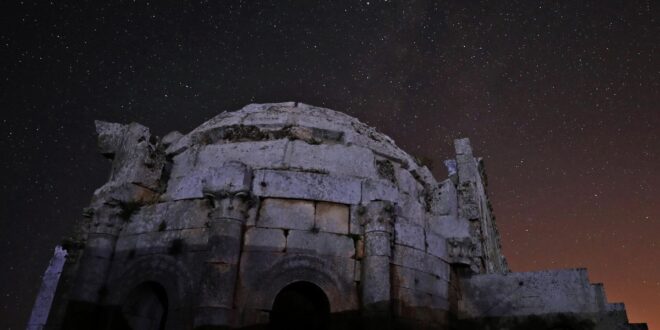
300 305
145 308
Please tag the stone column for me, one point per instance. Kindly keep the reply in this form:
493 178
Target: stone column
226 222
378 220
104 229
227 188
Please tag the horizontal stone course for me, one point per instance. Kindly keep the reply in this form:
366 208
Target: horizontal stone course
306 185
286 214
263 239
419 260
320 243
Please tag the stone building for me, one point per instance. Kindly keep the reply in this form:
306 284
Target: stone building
295 216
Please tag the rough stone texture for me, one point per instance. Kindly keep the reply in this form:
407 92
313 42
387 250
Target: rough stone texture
319 243
286 214
332 218
531 293
263 239
223 219
46 293
305 185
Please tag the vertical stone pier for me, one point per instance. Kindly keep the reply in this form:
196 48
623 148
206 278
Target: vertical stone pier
378 222
97 257
230 200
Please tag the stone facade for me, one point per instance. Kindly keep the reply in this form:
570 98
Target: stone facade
276 212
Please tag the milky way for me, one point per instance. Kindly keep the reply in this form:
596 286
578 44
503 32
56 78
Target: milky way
561 100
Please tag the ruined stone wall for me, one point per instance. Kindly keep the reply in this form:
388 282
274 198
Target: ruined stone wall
226 216
206 229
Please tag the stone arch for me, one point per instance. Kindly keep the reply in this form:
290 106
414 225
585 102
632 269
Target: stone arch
300 305
146 307
304 268
167 277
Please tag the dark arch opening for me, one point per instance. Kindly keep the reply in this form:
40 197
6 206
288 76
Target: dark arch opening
300 305
145 307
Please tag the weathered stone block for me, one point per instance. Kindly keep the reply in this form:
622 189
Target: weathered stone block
443 199
304 185
230 177
436 245
286 214
262 239
332 217
256 154
412 209
449 226
155 242
195 239
414 298
409 234
382 190
420 260
419 281
319 243
332 158
185 187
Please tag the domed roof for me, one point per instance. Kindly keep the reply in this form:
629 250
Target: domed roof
295 137
295 120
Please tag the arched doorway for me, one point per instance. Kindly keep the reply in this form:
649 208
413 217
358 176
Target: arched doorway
300 305
145 307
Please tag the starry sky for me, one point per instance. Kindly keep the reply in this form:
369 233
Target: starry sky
561 98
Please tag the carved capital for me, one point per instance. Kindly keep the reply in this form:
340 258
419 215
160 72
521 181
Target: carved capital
377 216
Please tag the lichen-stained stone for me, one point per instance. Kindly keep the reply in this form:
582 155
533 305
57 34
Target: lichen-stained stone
256 154
332 217
379 190
420 260
331 158
286 214
419 281
409 234
406 181
305 185
264 239
320 243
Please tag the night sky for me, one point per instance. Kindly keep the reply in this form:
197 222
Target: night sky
561 98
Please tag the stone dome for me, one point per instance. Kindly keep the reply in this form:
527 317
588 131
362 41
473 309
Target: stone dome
297 137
